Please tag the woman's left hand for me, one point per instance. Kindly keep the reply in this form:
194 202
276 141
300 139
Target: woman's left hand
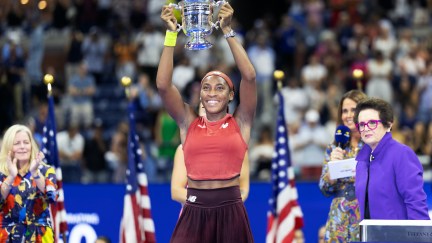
34 164
167 15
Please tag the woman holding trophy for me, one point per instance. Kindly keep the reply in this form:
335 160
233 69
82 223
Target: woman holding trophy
214 145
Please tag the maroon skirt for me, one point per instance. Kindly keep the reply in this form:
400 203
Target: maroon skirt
213 216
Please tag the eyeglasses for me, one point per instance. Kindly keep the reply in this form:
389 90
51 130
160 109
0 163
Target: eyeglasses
371 124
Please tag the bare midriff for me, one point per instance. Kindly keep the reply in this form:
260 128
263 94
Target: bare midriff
212 184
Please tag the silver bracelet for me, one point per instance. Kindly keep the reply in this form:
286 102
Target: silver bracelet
7 184
230 34
37 175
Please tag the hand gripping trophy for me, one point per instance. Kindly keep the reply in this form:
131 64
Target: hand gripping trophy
197 21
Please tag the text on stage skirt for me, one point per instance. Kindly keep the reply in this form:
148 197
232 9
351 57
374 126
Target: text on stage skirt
213 216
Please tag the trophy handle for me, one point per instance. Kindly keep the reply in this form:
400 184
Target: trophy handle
217 23
176 6
219 3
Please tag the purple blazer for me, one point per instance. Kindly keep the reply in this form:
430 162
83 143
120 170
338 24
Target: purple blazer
395 184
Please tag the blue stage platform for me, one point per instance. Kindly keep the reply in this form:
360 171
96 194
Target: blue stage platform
97 210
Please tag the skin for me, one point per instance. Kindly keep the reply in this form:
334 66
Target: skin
215 93
179 175
179 178
368 136
299 236
321 234
18 159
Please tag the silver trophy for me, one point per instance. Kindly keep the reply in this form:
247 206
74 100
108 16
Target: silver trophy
197 21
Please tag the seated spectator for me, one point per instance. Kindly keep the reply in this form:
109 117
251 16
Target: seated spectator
94 49
116 156
380 71
148 100
167 136
261 154
70 144
36 122
424 113
125 52
95 166
81 89
311 141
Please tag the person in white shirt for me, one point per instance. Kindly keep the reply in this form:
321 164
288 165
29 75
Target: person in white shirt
70 144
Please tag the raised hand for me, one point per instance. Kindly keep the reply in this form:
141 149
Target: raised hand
225 15
12 165
34 164
167 15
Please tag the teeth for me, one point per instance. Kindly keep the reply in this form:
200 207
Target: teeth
212 102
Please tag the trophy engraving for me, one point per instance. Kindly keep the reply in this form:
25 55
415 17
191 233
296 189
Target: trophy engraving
197 22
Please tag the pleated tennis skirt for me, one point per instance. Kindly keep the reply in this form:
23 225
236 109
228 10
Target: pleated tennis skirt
213 216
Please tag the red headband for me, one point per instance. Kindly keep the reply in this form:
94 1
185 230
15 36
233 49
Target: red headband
222 75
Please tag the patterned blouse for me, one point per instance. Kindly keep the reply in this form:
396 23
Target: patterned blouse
344 214
25 211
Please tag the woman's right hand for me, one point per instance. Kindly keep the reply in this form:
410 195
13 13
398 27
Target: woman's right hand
167 15
337 154
12 165
225 16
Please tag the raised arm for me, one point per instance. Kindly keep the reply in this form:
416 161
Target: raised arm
170 95
245 111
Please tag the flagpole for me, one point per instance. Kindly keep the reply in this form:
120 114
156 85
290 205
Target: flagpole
284 216
279 75
126 82
48 80
137 224
358 76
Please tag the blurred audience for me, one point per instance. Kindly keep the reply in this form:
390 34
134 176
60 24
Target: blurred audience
310 143
261 155
95 169
70 145
116 156
317 43
81 88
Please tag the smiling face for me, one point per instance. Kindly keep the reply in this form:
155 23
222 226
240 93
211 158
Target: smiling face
348 111
21 147
215 96
369 136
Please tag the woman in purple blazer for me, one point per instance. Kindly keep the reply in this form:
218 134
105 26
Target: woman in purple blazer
389 176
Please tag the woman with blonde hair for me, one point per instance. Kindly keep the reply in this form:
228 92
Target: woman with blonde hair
27 187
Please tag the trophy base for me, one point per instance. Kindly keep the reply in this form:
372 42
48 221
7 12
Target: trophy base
198 42
198 46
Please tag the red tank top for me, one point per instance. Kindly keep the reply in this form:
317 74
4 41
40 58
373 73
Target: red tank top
214 150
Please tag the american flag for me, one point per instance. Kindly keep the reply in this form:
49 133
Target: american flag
137 224
49 148
284 216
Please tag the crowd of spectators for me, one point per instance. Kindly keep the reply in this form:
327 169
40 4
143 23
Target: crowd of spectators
317 43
